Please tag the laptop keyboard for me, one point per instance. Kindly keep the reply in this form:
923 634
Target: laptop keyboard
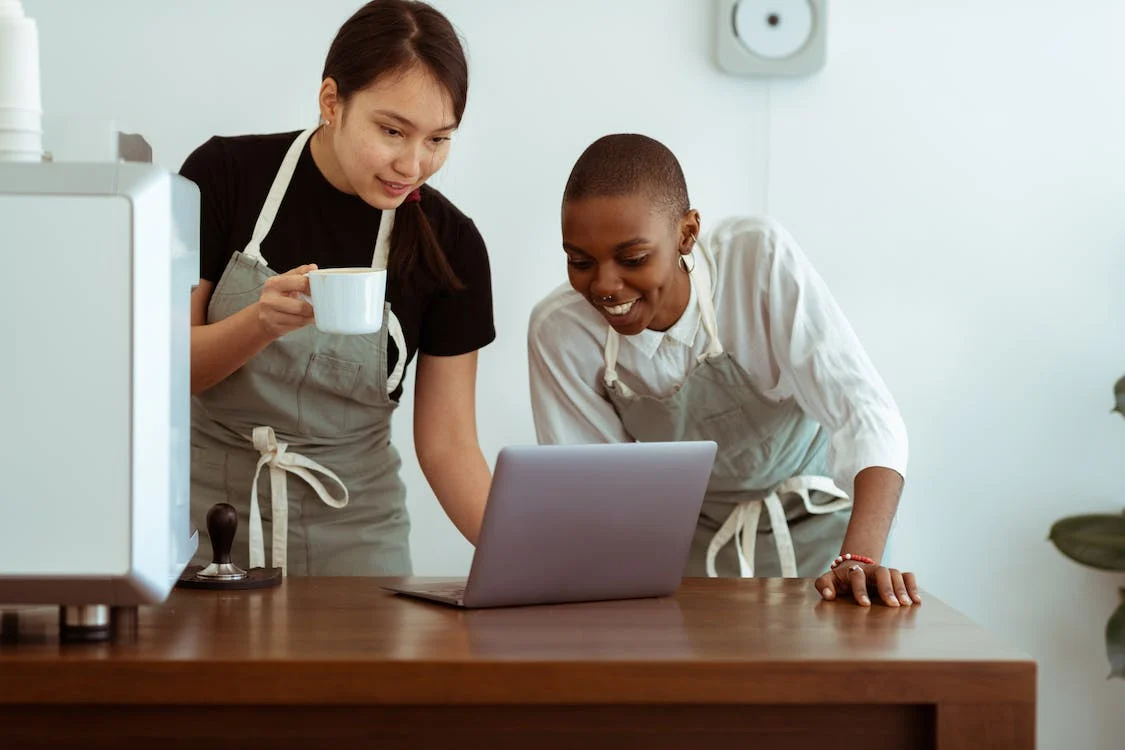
451 590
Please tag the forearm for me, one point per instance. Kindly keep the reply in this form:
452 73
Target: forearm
218 349
460 478
874 504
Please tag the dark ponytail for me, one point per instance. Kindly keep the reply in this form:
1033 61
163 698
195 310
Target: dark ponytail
390 36
413 241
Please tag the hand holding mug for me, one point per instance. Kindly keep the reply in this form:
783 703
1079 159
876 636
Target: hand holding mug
283 306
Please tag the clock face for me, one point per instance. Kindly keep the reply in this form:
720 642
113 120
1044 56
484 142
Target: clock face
771 37
773 29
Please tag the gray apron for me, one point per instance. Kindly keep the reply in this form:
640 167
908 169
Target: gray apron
771 455
311 404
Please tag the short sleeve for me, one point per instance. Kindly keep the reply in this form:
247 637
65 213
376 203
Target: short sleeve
208 168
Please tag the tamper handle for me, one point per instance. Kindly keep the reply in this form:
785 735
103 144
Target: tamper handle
222 522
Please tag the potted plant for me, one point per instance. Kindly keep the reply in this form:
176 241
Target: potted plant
1098 541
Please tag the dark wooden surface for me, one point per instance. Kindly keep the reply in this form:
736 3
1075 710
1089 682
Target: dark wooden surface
317 659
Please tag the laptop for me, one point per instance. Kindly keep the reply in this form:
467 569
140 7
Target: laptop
573 523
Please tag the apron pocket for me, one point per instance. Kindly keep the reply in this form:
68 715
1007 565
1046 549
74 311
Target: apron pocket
325 395
743 450
371 389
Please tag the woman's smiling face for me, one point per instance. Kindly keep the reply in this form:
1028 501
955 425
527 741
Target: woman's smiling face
623 255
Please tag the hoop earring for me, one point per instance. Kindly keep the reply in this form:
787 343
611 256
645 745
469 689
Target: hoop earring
684 265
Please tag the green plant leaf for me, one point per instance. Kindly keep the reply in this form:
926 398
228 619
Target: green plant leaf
1095 540
1119 397
1115 641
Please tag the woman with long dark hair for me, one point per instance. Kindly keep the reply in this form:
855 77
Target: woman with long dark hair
272 392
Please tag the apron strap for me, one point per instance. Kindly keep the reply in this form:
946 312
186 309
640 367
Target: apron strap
742 523
277 192
383 240
394 329
701 285
277 456
804 484
612 345
744 516
741 526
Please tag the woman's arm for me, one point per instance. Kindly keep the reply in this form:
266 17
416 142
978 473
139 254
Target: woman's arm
445 438
875 502
877 491
836 383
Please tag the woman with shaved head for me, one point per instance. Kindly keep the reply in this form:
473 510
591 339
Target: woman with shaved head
666 334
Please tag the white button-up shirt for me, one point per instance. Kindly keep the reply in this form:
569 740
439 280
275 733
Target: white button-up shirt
775 316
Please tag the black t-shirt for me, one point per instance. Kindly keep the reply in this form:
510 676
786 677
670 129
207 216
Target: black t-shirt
316 223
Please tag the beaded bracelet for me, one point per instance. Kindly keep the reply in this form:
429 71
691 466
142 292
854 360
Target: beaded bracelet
856 558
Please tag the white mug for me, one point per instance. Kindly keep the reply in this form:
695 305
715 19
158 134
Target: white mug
348 300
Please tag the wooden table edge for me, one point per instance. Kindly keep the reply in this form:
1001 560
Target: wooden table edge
322 682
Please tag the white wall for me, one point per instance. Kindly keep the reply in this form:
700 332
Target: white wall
956 173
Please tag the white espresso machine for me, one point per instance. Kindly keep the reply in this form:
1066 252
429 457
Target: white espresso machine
98 259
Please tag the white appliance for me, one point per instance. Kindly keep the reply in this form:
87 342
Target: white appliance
98 257
99 261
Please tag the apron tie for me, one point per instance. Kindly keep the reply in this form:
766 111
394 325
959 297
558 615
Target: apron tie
742 523
277 456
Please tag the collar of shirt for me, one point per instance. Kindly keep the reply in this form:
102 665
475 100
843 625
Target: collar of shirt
683 331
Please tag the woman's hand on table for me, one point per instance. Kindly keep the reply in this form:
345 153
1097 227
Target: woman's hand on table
862 582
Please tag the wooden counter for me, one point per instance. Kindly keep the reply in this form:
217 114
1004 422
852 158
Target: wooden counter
340 662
